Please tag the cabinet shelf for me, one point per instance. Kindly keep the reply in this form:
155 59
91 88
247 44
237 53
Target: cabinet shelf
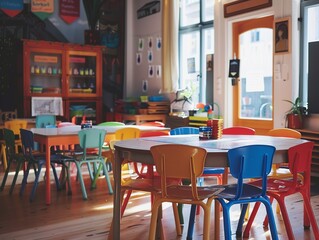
72 72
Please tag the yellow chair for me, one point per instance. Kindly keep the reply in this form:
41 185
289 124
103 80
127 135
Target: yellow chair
182 162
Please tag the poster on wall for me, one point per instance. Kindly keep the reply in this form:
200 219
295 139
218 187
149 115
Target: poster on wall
69 10
42 8
11 7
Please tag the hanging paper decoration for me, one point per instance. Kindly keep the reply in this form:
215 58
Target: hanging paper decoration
42 8
138 58
69 10
150 56
11 7
158 43
140 44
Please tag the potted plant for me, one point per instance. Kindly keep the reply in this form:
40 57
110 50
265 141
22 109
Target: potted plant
294 115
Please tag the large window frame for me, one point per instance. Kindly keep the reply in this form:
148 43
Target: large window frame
303 78
199 81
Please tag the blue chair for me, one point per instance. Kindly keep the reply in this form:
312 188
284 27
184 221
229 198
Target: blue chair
91 138
253 161
214 172
36 160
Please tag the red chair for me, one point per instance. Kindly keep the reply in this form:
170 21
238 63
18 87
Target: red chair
153 124
239 130
299 162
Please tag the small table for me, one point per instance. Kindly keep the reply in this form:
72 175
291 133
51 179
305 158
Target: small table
144 117
69 136
139 151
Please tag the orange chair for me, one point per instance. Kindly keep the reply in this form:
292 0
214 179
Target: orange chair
175 161
299 158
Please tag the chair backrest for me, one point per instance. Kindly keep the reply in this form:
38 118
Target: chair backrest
92 138
184 130
27 143
127 133
65 124
42 121
8 115
153 124
284 132
299 161
154 133
15 125
9 139
239 130
252 161
111 124
179 161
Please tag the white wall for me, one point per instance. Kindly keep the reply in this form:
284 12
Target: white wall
137 29
286 87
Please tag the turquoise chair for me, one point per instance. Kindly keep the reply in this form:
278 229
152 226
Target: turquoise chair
214 172
252 161
42 121
91 138
12 156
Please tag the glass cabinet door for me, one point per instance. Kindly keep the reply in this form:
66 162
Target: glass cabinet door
82 74
45 73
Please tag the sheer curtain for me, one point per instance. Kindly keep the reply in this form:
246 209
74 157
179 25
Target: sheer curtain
170 20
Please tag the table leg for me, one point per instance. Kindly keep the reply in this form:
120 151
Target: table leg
47 174
217 220
117 196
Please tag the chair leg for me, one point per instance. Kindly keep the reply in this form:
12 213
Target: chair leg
57 182
4 156
251 219
180 213
272 223
125 201
241 220
36 182
25 177
84 194
311 215
5 176
15 176
154 219
191 222
177 222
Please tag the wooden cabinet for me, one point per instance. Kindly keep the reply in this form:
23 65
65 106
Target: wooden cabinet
70 72
312 136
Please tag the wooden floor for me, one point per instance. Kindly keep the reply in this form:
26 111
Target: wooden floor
69 217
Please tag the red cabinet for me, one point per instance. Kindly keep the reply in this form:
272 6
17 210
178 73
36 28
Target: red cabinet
70 72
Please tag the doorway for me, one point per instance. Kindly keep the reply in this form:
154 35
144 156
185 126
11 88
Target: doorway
253 93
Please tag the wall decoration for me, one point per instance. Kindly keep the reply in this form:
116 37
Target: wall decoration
145 86
158 71
150 42
282 35
244 6
138 58
158 43
11 7
150 56
150 71
69 10
42 8
149 9
140 44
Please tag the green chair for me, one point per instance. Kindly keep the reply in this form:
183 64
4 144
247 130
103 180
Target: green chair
111 124
12 156
91 138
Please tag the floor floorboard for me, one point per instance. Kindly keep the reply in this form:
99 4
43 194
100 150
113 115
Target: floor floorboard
69 217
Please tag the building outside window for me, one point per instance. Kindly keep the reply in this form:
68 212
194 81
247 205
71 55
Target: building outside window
196 45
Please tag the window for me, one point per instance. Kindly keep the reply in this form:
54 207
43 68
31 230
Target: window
196 46
309 34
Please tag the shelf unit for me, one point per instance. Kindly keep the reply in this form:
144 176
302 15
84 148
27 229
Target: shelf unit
72 72
312 136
